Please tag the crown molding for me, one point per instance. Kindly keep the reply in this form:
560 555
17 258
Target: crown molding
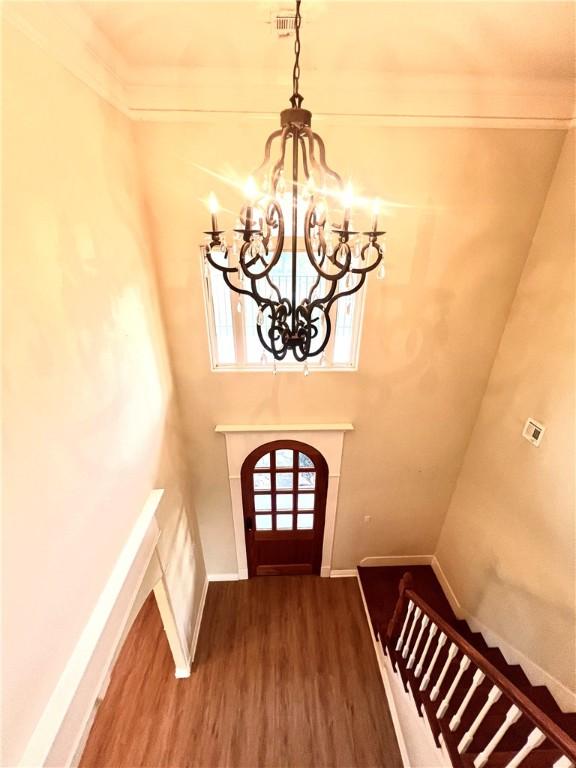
65 31
217 95
175 94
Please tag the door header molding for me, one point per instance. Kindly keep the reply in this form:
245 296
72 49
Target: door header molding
225 428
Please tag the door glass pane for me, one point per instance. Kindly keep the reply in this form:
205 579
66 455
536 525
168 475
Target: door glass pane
264 462
285 458
263 522
305 501
262 502
307 480
305 522
304 461
284 501
284 481
261 481
284 522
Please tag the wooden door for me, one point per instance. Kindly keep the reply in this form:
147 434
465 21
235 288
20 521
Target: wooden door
284 487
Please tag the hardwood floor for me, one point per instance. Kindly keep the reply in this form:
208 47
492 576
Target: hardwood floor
285 676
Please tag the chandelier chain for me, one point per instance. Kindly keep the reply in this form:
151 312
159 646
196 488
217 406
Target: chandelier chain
296 99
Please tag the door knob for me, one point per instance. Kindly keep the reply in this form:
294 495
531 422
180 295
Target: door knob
248 523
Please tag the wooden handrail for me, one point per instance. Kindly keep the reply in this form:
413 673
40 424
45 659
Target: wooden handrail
406 582
551 729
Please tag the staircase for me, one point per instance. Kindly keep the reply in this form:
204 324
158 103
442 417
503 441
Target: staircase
482 711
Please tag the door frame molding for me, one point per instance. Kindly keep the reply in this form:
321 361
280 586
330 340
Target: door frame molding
241 440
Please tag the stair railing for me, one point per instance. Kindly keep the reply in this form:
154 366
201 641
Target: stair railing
416 641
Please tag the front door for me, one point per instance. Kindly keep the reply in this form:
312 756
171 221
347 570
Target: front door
284 487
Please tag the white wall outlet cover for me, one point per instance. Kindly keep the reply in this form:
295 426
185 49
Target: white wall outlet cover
533 431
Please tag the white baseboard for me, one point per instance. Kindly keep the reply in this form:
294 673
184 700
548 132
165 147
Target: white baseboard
222 576
182 672
380 659
565 698
333 573
81 746
343 573
421 750
325 572
198 622
396 560
415 741
447 589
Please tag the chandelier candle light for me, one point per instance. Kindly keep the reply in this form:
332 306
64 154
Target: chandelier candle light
297 324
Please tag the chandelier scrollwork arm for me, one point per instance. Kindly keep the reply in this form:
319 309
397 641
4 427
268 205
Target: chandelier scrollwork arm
376 248
343 266
323 162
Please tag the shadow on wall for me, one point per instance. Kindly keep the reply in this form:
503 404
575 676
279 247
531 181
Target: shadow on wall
417 346
506 602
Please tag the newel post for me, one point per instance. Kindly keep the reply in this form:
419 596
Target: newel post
406 582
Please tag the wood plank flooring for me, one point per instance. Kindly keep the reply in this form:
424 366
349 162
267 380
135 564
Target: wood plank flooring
285 676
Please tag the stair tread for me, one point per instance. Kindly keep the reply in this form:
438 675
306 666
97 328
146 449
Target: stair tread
566 721
380 588
541 758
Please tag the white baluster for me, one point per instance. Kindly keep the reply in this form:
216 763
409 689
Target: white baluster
466 740
535 738
412 659
452 651
476 680
431 633
511 716
426 678
417 614
563 762
406 619
463 666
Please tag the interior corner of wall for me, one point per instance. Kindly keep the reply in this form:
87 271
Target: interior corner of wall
447 588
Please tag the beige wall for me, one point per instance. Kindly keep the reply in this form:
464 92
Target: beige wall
85 375
470 200
508 543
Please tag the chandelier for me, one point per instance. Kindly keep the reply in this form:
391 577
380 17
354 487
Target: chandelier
293 216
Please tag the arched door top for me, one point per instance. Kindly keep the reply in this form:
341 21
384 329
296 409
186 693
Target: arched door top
284 486
286 445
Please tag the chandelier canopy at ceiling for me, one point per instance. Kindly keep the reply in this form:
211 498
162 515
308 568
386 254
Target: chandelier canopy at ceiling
269 225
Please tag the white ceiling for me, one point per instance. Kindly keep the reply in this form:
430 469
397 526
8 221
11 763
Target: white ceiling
502 39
